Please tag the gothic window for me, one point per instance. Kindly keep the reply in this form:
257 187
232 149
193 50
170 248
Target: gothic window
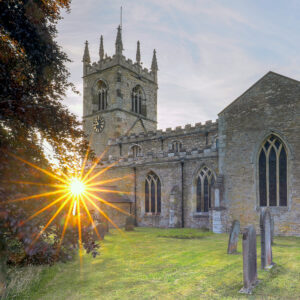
136 151
152 194
138 101
205 181
176 146
102 95
272 173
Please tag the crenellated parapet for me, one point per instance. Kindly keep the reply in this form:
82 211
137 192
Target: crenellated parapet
118 59
111 61
207 127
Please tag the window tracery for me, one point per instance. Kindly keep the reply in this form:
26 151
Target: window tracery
205 181
152 194
272 172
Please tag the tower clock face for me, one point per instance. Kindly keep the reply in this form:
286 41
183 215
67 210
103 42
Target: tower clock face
98 124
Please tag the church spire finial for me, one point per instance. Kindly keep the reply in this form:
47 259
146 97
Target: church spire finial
154 67
138 53
86 55
101 49
119 44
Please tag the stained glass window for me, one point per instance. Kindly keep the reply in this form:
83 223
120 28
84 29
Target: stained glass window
152 194
272 173
205 181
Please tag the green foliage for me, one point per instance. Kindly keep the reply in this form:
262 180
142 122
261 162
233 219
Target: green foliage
33 82
145 265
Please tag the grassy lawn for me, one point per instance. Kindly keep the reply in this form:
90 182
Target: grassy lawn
162 264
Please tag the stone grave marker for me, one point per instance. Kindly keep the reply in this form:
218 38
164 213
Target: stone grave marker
272 230
266 238
129 223
233 237
249 260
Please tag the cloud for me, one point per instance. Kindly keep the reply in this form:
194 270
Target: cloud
209 51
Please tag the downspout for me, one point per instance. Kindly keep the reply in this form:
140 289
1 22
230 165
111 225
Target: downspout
135 217
182 195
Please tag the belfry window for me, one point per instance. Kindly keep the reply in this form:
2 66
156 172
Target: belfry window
136 151
137 100
205 181
102 95
272 172
176 146
152 194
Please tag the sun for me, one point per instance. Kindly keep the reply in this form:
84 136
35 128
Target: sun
77 186
76 193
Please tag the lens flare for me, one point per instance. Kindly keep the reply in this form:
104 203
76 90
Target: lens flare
75 194
77 187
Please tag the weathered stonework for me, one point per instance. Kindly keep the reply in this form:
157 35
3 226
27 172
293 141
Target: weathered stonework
228 148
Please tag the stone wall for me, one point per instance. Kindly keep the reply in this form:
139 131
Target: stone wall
272 105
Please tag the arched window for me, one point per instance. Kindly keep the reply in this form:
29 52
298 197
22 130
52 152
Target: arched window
152 194
102 95
272 170
136 151
138 100
176 146
205 181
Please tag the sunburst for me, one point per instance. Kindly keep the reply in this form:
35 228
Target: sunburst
75 193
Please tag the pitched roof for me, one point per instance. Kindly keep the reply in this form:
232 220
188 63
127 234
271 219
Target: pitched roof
252 86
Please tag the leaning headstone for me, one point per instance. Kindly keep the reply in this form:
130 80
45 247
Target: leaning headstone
266 237
101 228
129 223
272 231
233 237
249 260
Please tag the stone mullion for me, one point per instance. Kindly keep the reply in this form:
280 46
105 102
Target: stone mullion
277 174
267 175
155 198
202 193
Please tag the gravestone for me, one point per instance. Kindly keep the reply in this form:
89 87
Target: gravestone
101 228
272 231
129 223
233 237
266 237
249 260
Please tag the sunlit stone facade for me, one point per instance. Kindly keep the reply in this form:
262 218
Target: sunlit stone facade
201 176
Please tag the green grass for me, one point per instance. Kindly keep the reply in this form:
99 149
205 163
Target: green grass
163 264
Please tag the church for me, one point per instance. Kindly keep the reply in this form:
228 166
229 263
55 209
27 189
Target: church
201 176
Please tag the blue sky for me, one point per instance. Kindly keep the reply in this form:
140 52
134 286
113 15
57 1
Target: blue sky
208 51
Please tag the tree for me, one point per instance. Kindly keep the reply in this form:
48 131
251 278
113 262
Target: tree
33 82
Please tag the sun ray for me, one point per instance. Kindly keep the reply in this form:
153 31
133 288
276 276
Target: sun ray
94 164
91 219
35 196
65 225
108 191
45 208
85 160
51 220
35 183
38 168
102 171
79 229
107 203
108 181
103 214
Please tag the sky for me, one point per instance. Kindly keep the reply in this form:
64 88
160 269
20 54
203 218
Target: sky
208 51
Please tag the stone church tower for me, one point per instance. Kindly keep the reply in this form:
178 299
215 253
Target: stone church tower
119 95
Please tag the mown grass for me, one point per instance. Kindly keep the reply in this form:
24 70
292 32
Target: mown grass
164 264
